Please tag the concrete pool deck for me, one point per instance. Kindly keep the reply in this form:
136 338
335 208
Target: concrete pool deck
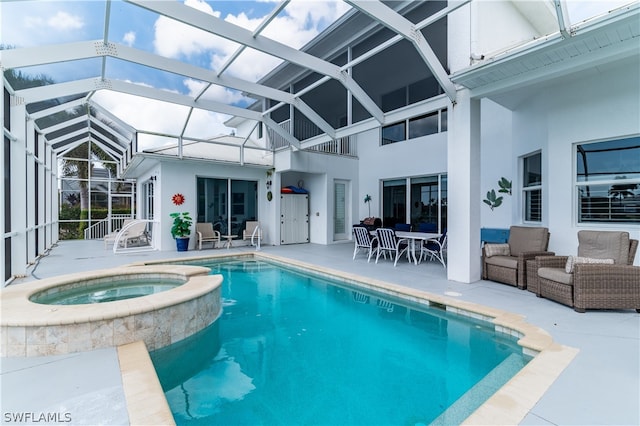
600 386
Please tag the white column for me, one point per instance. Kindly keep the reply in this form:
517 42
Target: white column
5 207
18 189
55 200
463 165
42 196
30 192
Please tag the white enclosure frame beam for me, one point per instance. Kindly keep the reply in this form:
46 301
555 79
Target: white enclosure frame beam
91 49
563 17
265 22
224 29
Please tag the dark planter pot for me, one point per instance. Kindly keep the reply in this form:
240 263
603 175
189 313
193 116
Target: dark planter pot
182 243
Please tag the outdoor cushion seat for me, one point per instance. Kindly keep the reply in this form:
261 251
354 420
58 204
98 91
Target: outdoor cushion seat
556 274
503 261
110 238
206 234
525 243
593 285
249 229
132 232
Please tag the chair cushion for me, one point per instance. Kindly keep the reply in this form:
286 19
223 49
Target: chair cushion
556 274
604 245
572 260
493 249
523 239
503 261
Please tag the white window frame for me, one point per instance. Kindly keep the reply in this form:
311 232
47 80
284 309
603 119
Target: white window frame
528 189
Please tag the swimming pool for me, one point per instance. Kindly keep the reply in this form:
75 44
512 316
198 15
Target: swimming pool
291 348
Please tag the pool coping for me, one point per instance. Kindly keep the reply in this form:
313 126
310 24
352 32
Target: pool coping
142 387
513 401
19 310
31 329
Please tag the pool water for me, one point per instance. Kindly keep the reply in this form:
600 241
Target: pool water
296 349
108 291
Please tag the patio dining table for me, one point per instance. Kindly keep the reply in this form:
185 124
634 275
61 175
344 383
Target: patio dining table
413 237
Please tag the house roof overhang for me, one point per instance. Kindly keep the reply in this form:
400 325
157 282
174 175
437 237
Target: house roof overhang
514 74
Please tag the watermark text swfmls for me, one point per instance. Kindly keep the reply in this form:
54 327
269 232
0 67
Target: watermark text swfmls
33 417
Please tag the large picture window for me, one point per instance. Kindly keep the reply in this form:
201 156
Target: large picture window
532 187
608 181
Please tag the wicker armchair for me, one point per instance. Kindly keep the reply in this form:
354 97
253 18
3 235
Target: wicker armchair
506 263
593 285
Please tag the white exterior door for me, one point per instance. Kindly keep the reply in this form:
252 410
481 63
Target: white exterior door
294 218
340 210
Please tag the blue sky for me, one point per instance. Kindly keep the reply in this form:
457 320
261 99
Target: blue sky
37 23
49 22
31 23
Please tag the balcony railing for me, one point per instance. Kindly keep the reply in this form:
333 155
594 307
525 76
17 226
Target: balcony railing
341 146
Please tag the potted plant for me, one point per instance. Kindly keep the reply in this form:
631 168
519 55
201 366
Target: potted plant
181 229
367 200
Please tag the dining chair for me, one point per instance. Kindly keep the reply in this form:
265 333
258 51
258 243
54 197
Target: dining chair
430 228
435 248
406 227
206 234
363 240
388 242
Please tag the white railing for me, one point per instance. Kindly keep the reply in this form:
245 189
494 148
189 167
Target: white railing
99 229
340 146
256 234
277 141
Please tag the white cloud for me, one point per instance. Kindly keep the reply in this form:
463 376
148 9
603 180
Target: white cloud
175 39
215 93
24 24
300 22
33 22
65 21
61 21
251 65
161 117
206 124
129 38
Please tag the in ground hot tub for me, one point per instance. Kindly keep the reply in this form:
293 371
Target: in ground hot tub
183 300
105 290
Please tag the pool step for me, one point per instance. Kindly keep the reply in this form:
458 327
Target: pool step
480 392
245 266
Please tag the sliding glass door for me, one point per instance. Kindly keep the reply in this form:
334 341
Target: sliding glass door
425 208
394 202
227 203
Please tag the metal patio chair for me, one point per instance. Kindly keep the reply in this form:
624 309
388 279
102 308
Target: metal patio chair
206 234
363 240
388 242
